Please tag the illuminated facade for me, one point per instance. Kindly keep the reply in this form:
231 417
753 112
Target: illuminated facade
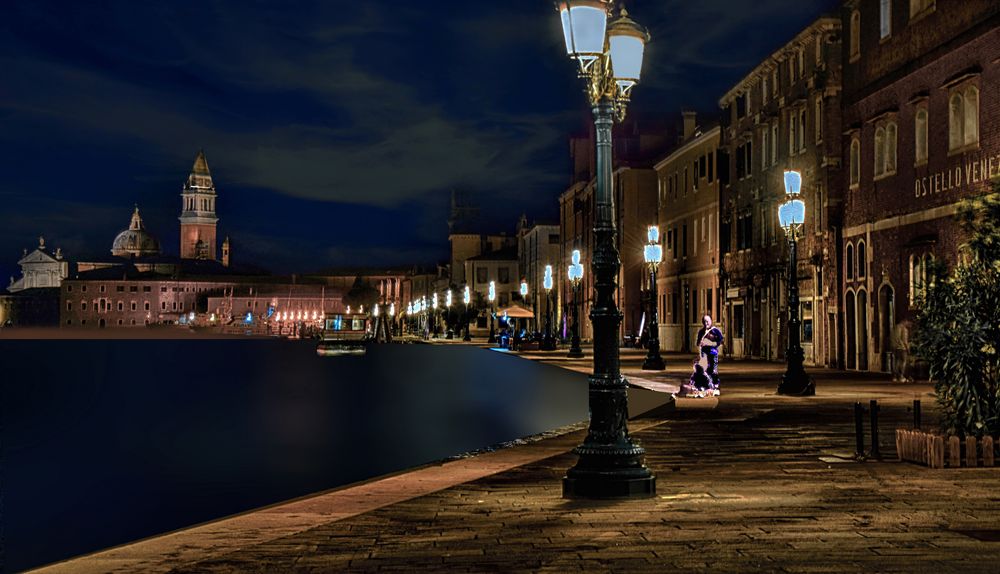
921 132
784 115
198 219
688 198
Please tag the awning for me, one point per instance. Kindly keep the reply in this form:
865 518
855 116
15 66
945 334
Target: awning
516 311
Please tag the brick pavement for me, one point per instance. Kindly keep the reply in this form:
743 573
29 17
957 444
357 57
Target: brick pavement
759 484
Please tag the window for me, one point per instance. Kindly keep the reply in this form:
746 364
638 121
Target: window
132 305
963 118
146 306
890 148
69 305
855 35
83 305
749 158
774 144
504 275
553 239
879 152
920 136
764 154
104 288
121 306
120 288
850 261
802 62
738 321
862 260
711 166
694 238
69 288
818 118
819 49
763 89
855 162
885 18
684 240
802 130
703 230
481 275
146 289
791 135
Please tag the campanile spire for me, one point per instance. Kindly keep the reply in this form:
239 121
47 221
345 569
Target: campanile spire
198 219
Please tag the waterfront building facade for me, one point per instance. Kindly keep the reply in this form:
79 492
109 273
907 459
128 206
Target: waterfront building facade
784 115
921 133
538 246
688 198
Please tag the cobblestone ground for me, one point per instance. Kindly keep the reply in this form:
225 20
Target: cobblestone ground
759 484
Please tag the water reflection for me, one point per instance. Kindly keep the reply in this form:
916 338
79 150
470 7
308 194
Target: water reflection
108 441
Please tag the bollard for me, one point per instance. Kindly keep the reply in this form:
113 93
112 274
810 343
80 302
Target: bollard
859 431
916 414
873 407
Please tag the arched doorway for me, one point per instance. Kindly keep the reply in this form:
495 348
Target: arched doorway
862 330
851 331
886 321
102 323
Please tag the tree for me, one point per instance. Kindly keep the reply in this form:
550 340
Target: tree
958 325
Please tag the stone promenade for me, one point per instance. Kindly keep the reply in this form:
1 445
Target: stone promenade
759 483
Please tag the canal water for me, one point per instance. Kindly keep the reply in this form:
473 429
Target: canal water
108 441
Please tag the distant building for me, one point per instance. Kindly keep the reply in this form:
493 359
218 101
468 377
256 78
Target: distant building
198 219
921 133
783 115
538 246
688 278
33 299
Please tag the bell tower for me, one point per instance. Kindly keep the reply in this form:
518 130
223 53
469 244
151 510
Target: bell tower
198 218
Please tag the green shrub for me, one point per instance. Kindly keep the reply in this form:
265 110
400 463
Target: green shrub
958 325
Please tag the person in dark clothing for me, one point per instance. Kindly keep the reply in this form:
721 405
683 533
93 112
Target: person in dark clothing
708 341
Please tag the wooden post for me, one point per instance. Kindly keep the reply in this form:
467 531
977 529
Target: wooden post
938 451
971 460
987 451
954 452
901 444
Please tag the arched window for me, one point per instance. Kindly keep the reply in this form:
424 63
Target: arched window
862 260
855 162
956 119
879 151
920 135
850 261
971 128
890 148
855 35
885 18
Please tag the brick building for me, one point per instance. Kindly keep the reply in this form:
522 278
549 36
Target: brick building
785 114
688 278
921 132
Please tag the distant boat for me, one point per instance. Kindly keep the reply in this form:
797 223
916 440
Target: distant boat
344 334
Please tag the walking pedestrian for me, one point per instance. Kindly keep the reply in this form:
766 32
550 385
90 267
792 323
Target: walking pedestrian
709 340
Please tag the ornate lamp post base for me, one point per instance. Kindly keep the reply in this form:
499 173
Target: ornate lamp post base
796 381
617 473
575 352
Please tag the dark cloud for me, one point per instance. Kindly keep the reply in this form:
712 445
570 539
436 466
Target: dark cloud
370 110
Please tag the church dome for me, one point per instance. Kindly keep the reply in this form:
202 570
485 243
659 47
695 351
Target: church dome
135 241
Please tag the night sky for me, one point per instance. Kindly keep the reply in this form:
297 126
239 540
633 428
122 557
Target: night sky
335 130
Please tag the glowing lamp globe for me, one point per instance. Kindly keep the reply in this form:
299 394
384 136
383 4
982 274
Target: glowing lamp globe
792 214
524 288
547 281
434 301
575 258
584 24
392 309
793 182
467 297
375 310
447 298
493 291
653 234
653 253
627 40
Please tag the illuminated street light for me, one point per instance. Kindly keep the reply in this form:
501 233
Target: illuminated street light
548 341
792 215
575 275
653 255
609 55
492 297
467 298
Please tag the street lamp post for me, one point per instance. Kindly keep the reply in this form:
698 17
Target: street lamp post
791 215
434 316
447 304
467 297
610 463
548 341
653 254
575 273
524 296
492 296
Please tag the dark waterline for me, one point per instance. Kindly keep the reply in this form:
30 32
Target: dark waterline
107 441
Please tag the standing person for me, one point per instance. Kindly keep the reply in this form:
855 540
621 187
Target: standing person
709 340
900 351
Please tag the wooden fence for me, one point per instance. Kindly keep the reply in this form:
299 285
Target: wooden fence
934 451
